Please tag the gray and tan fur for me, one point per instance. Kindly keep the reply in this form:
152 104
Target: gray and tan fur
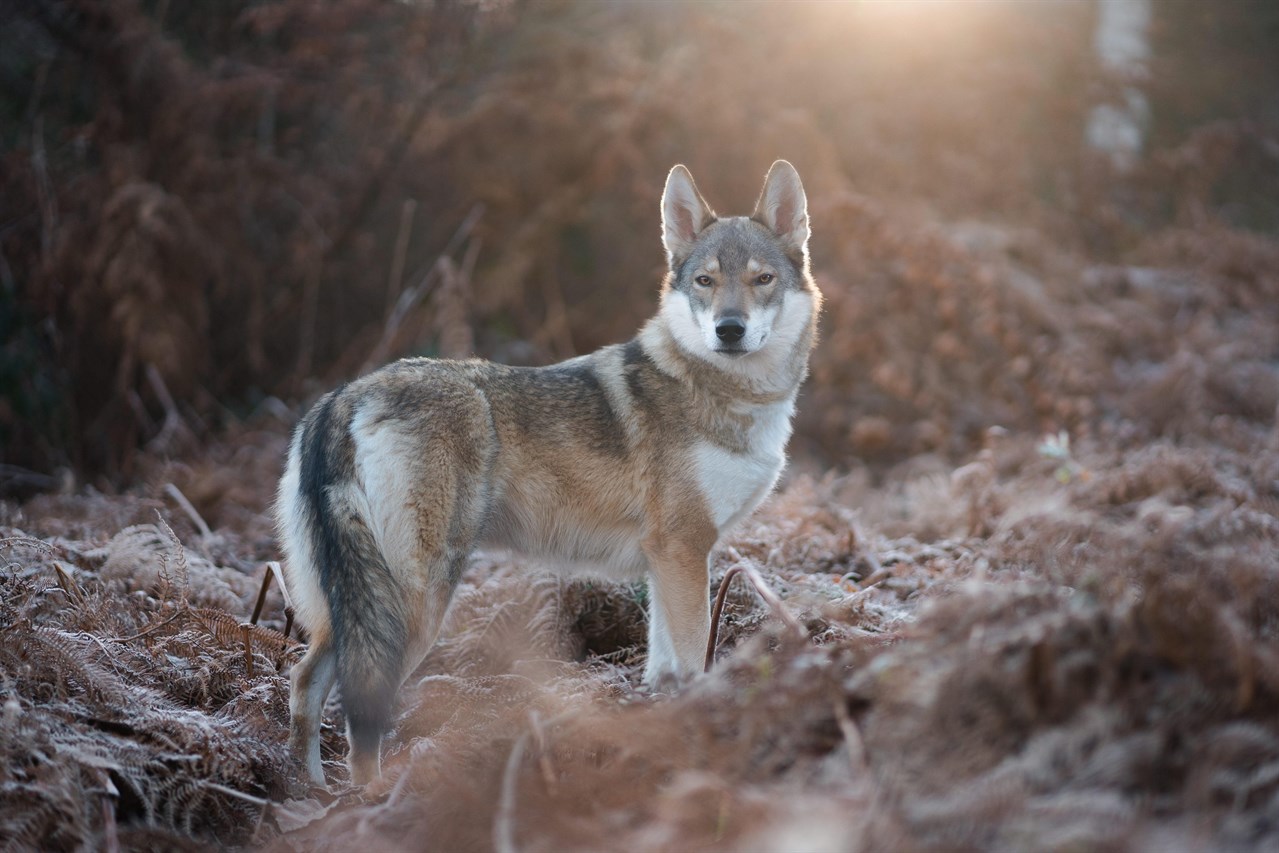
632 460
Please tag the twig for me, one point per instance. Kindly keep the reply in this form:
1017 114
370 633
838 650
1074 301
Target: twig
97 641
173 421
273 570
504 822
247 630
140 412
395 280
232 792
256 838
543 760
182 612
186 506
853 737
261 802
716 611
874 580
401 785
257 608
110 833
274 566
424 279
770 598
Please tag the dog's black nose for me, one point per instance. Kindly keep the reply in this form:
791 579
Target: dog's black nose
730 330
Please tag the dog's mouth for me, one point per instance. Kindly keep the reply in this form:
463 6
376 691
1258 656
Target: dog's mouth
736 350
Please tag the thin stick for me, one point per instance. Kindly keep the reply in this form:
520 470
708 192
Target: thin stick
255 838
257 608
713 640
232 792
182 612
186 506
770 598
543 760
401 785
110 832
423 281
274 566
173 422
504 823
247 630
395 280
140 412
853 737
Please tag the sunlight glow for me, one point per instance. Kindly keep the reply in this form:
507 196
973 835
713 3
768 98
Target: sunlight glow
914 19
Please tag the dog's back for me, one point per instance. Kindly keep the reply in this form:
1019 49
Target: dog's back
632 459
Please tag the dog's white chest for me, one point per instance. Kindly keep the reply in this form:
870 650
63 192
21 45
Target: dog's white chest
733 484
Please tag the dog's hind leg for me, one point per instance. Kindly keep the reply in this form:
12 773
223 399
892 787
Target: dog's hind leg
425 594
312 679
424 606
426 491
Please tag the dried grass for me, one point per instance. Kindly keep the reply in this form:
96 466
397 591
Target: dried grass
1100 667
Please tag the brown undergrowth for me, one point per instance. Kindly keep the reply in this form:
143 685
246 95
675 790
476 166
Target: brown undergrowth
1097 664
208 206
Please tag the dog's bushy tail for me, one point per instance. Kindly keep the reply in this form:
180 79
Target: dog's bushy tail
366 604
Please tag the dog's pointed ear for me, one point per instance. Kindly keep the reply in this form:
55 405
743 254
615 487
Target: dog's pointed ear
684 214
783 208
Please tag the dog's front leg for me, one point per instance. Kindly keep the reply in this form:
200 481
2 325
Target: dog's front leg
679 620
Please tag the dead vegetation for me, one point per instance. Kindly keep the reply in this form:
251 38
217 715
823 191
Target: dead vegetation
1098 667
1031 531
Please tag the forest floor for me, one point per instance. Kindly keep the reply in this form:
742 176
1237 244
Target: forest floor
1054 646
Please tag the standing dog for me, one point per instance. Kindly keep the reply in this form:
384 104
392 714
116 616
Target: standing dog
633 459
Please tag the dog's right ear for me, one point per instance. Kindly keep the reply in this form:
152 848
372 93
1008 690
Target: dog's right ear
783 208
684 214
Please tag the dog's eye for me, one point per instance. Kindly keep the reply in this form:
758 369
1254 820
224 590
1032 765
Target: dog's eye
703 280
766 278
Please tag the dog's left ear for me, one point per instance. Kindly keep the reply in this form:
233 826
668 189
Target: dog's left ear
684 214
783 208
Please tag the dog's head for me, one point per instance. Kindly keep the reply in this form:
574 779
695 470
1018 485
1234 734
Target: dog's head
739 282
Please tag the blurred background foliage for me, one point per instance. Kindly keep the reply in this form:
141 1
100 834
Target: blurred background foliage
205 206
